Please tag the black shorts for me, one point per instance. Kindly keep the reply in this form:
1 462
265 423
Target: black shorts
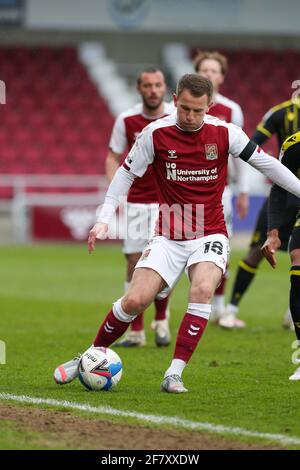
260 232
295 237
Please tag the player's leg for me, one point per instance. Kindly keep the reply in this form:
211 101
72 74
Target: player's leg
134 243
161 320
206 267
152 275
144 286
136 335
246 272
218 303
160 323
284 235
141 222
295 285
155 271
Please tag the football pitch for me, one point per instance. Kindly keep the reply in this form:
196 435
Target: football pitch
52 300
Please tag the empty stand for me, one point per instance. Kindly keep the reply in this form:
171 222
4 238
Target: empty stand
54 120
258 80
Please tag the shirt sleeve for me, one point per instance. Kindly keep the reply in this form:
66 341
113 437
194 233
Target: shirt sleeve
239 143
273 169
241 175
276 207
118 139
268 126
142 153
118 188
290 157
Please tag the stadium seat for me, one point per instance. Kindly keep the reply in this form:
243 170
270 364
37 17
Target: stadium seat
55 115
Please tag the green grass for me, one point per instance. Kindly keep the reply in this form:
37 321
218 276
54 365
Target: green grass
13 437
53 298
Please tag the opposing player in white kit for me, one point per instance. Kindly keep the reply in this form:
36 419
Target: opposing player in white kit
142 200
214 66
189 155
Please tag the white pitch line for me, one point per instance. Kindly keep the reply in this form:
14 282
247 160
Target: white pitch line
156 419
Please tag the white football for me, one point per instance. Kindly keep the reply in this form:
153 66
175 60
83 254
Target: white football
100 369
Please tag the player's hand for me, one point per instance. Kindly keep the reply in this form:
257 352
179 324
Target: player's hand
270 246
98 231
242 205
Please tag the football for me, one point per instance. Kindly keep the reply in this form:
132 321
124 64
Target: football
100 369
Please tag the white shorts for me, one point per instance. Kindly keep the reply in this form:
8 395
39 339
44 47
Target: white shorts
140 224
228 209
170 257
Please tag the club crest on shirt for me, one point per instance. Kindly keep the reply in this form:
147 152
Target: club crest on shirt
211 151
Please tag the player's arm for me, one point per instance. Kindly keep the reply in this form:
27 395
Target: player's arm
118 187
276 211
112 164
242 200
117 147
140 156
240 146
267 127
240 169
279 199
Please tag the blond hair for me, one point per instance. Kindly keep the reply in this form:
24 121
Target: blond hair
214 55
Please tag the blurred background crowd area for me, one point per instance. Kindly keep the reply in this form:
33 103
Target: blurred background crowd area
68 68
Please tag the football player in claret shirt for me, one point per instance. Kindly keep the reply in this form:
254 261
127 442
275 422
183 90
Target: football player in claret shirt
284 209
189 153
142 200
281 120
214 66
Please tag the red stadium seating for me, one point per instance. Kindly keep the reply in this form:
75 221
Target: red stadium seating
54 120
258 80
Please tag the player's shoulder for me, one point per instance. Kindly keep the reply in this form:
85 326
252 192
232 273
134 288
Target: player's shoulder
278 108
215 121
134 110
234 132
292 141
166 121
169 107
229 103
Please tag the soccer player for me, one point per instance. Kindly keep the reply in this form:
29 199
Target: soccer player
142 200
284 209
189 154
282 120
214 66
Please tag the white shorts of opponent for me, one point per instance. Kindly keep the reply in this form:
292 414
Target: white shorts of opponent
140 220
228 209
169 258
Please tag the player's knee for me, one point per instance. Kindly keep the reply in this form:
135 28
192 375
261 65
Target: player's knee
202 292
135 302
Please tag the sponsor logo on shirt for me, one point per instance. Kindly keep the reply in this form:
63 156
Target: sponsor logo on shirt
211 151
184 175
